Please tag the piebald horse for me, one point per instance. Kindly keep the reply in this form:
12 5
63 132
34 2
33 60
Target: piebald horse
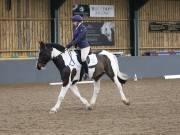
70 70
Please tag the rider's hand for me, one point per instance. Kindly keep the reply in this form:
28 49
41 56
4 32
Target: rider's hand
68 46
72 43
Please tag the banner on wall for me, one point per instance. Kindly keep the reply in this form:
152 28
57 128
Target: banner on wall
100 33
164 26
94 10
82 10
102 11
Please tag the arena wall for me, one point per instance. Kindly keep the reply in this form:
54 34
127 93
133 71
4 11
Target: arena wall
28 22
24 71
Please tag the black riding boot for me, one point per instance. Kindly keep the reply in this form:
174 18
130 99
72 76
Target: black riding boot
85 67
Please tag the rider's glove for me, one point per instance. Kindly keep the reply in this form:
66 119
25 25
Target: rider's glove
72 43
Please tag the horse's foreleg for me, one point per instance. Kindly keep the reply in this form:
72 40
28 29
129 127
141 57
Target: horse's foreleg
123 97
95 93
60 99
76 92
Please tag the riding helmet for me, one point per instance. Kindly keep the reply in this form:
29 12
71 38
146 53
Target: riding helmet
77 18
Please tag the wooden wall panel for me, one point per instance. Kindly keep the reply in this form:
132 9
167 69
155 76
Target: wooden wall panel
23 26
121 22
28 22
159 10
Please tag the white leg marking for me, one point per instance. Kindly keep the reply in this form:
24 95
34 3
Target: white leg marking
76 92
118 84
95 93
60 99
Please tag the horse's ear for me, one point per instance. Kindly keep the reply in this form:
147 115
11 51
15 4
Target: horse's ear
41 43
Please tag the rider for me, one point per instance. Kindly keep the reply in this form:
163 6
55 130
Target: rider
79 40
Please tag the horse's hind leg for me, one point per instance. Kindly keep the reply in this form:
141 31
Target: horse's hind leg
123 97
76 92
95 93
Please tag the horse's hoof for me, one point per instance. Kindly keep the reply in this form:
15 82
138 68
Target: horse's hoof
126 102
53 110
89 107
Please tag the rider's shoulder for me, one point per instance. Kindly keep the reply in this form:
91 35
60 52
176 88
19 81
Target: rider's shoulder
82 27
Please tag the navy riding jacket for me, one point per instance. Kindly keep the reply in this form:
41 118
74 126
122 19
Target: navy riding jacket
79 37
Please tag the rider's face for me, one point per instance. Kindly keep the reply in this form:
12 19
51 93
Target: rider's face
75 24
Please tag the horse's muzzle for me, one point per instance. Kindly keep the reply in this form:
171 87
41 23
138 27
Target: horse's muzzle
39 66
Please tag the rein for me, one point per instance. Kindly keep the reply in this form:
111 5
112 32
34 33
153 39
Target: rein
70 55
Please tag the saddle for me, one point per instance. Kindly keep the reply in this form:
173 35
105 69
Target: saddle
91 61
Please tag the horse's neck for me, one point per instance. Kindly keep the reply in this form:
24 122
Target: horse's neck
62 59
58 59
59 62
55 53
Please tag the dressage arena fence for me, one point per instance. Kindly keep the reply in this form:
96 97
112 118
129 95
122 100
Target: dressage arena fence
60 83
135 78
171 76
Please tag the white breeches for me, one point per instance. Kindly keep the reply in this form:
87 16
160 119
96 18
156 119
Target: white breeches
84 53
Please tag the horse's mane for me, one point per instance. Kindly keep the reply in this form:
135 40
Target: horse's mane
56 45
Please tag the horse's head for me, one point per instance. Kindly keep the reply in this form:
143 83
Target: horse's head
107 29
44 55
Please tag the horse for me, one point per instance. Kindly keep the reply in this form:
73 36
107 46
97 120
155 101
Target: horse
107 29
69 67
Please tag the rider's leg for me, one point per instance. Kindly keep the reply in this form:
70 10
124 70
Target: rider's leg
85 66
84 54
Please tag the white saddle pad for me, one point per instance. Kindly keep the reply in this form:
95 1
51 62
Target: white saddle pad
93 60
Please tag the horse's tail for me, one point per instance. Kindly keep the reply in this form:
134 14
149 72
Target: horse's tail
115 66
122 77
